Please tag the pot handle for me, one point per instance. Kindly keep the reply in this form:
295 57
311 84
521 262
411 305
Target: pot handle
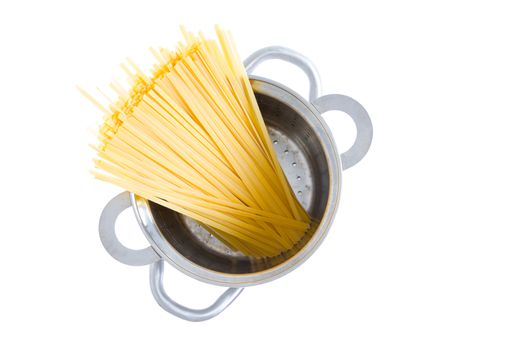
362 122
110 241
288 55
156 272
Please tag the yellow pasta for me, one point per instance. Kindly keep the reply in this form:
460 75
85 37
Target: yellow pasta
189 136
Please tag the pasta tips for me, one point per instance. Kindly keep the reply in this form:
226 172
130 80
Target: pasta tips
189 135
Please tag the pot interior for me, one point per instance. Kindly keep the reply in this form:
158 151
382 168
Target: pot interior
304 162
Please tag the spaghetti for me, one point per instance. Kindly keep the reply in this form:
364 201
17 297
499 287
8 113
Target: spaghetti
190 136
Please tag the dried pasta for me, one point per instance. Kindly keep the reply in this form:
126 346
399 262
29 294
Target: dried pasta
189 136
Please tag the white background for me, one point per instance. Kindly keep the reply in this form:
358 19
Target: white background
427 250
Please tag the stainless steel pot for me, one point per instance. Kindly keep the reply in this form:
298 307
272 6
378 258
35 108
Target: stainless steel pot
310 160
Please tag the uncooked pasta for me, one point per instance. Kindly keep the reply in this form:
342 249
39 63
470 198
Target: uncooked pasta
189 136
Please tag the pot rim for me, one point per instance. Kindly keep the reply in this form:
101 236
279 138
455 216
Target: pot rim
173 257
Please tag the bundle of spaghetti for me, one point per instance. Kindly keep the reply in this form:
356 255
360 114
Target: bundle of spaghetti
189 136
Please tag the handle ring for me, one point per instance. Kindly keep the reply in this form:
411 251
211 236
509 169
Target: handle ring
362 122
291 56
156 273
108 237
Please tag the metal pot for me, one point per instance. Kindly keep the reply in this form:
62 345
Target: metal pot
310 160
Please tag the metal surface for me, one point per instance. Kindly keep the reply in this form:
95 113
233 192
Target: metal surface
109 238
148 256
311 163
174 308
288 55
309 158
362 122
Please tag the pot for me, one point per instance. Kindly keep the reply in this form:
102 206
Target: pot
313 167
